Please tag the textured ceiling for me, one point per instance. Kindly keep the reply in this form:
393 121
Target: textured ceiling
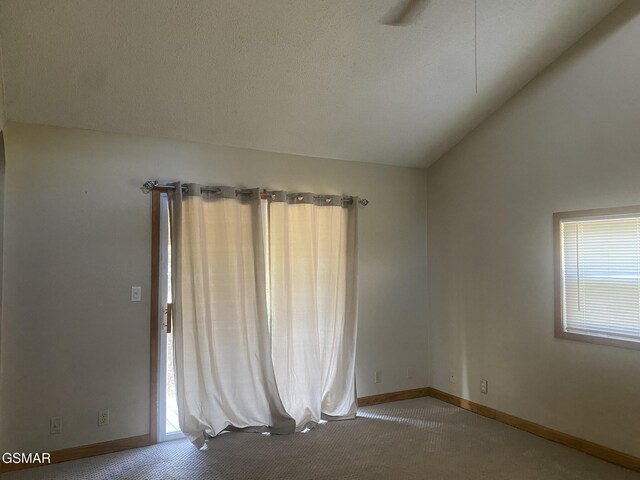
316 77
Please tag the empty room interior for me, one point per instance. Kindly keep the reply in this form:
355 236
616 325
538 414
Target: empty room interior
360 239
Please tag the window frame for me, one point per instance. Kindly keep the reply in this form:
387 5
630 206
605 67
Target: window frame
558 218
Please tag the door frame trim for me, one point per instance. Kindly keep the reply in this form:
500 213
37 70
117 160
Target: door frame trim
155 316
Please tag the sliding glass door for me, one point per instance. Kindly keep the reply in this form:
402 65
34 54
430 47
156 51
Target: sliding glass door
168 425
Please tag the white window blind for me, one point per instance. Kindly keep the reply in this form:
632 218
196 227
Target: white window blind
601 277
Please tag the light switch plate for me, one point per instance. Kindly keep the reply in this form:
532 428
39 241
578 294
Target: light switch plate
136 294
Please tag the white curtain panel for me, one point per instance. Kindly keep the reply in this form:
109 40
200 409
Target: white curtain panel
312 244
265 310
224 369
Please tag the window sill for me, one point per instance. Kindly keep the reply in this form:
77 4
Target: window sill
613 342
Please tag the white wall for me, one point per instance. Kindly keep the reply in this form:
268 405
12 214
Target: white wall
2 163
2 122
78 236
570 140
2 109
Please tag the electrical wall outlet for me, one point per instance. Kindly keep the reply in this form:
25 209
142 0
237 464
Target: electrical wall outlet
484 386
377 377
55 425
409 372
103 418
452 378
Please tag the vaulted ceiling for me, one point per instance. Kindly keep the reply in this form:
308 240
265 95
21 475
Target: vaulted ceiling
322 78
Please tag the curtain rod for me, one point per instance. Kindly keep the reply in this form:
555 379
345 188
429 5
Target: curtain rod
150 185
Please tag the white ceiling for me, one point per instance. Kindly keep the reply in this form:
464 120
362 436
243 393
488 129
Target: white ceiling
316 77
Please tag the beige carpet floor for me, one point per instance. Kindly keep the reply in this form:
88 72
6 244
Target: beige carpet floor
413 439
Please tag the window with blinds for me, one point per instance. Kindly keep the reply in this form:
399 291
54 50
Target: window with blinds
600 278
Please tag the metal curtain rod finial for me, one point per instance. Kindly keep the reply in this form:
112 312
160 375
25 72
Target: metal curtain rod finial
149 185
